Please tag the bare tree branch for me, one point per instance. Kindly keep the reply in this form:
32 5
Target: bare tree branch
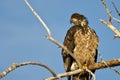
100 65
49 37
113 28
64 74
109 23
96 66
16 65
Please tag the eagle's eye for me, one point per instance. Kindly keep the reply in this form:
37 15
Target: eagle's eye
83 22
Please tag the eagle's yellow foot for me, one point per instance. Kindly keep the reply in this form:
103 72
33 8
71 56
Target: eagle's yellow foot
83 68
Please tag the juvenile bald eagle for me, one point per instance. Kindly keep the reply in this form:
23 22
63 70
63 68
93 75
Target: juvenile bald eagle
82 41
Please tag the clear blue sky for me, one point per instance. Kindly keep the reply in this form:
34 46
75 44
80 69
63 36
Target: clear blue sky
22 36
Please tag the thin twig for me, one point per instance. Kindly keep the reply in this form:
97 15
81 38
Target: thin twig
39 18
16 65
50 35
117 11
93 75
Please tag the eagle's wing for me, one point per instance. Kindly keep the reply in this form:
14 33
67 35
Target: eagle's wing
69 43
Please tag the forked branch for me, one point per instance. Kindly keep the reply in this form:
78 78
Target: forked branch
109 22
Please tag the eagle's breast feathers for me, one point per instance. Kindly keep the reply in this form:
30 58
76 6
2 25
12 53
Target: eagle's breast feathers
85 47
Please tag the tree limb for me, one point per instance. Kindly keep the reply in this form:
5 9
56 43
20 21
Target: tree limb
96 66
101 65
113 28
16 65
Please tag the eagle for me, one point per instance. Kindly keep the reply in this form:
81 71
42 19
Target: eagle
82 41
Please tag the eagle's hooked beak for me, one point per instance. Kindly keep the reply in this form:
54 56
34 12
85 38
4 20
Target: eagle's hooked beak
74 21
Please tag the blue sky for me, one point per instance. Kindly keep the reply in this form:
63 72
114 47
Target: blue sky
22 35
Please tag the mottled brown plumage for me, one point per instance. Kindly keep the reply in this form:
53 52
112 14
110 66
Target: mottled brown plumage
82 41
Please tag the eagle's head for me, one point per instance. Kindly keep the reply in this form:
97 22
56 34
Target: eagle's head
78 19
